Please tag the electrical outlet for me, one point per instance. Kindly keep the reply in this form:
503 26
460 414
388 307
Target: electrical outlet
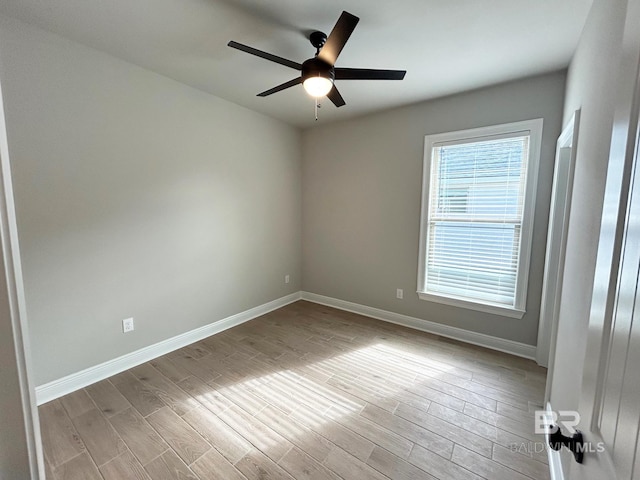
127 325
286 279
399 293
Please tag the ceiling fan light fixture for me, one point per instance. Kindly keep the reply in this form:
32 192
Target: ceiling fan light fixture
318 86
318 73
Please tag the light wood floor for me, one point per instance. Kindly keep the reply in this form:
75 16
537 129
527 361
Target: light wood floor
305 392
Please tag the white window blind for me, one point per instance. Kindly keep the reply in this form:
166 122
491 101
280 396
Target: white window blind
472 245
475 216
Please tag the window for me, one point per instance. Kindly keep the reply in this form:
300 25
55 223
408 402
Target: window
477 216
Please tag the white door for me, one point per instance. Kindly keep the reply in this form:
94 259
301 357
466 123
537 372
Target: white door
610 402
610 394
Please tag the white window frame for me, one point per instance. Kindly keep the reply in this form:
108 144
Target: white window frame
534 129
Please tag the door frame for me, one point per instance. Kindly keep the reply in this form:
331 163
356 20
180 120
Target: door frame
16 311
559 211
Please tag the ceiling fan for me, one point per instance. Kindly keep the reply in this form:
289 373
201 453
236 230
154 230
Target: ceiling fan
318 73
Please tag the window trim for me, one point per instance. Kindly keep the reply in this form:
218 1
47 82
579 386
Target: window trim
534 129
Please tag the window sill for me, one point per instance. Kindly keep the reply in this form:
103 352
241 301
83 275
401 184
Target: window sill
480 307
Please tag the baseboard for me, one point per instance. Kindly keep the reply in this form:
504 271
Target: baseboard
494 343
75 381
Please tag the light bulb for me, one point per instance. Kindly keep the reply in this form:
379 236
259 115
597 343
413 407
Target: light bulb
317 86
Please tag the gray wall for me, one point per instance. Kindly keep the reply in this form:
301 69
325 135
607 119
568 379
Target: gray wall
361 201
138 196
591 85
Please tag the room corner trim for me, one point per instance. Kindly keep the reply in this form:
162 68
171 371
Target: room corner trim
494 343
75 381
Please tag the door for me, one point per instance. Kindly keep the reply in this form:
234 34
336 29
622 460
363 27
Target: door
609 408
609 412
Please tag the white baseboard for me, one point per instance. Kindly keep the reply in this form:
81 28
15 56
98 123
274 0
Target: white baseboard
75 381
494 343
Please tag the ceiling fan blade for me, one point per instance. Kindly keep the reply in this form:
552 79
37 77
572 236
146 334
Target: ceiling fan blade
338 38
368 74
335 97
281 87
265 55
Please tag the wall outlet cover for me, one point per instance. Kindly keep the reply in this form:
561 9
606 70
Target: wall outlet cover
127 325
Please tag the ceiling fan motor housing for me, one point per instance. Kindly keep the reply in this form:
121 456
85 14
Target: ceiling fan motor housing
318 39
314 67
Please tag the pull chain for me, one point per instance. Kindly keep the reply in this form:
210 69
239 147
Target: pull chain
317 107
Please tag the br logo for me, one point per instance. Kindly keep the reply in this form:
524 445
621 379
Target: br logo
548 422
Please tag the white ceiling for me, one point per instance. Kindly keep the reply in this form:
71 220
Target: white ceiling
446 46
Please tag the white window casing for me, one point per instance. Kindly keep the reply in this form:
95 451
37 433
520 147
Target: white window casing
476 226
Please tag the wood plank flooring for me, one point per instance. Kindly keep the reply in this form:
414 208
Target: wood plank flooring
306 392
